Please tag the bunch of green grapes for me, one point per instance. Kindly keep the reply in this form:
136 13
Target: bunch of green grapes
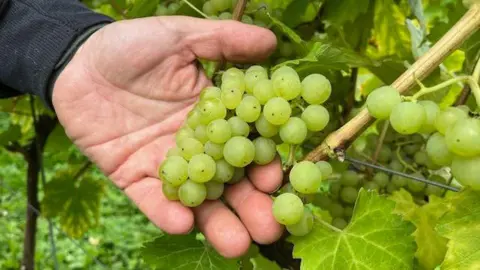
240 123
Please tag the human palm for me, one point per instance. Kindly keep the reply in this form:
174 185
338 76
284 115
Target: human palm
126 92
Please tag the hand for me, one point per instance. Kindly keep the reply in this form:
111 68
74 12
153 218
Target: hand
126 92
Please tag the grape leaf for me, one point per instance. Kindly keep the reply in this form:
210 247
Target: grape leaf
300 11
184 252
9 132
142 8
57 140
259 262
461 226
290 33
187 10
335 11
376 239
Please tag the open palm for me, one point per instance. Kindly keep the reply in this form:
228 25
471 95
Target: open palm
126 92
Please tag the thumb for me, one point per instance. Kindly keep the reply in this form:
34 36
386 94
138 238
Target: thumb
224 39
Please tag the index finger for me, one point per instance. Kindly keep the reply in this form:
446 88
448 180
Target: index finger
267 178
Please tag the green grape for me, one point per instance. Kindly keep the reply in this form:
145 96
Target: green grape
316 117
336 210
285 49
437 150
432 165
214 190
407 117
399 181
382 179
238 175
201 168
431 112
304 226
322 201
174 151
434 190
174 170
294 131
448 117
208 8
184 133
260 23
190 147
306 177
221 5
214 150
173 8
348 211
348 194
231 98
192 194
253 75
238 127
263 91
391 187
385 154
411 149
466 171
316 89
335 188
339 223
381 101
420 158
277 111
201 133
265 150
239 151
265 128
225 16
463 138
193 119
414 185
210 92
249 109
286 84
162 10
288 209
350 178
211 109
325 168
233 74
247 19
170 192
218 131
224 172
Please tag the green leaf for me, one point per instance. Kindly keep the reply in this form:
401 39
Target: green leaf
187 10
9 131
461 226
184 252
290 33
301 11
57 140
376 239
340 12
142 8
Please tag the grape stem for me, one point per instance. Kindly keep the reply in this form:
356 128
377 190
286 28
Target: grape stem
196 9
425 65
427 90
403 162
326 224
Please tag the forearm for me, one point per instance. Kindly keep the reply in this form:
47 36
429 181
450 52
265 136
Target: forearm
37 38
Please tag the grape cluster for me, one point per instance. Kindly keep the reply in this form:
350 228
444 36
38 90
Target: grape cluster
241 123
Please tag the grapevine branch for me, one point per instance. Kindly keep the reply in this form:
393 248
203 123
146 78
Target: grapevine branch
460 32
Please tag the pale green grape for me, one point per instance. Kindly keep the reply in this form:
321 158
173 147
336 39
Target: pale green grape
294 131
437 150
221 5
304 226
238 127
239 151
407 117
253 75
385 154
463 138
170 192
184 133
201 133
411 149
238 175
288 209
265 150
382 179
193 119
381 101
335 187
286 84
399 181
350 178
210 92
231 98
247 19
174 170
434 190
414 185
208 8
448 117
370 185
277 111
192 194
173 8
348 211
325 168
218 131
466 171
249 109
162 10
214 150
214 190
421 158
306 177
225 16
339 223
265 128
233 74
201 168
431 112
263 91
316 117
211 109
349 194
316 89
336 210
174 151
224 172
322 201
190 147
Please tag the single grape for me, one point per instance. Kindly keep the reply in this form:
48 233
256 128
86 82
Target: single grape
238 175
239 151
184 133
214 150
263 91
193 119
294 131
238 127
399 181
339 223
350 178
437 150
371 186
223 171
173 8
265 150
174 170
407 117
174 151
304 226
170 192
190 147
448 117
434 190
316 89
381 101
414 185
220 5
306 177
348 194
348 212
463 138
385 154
336 210
232 93
288 209
466 171
432 110
211 109
214 190
247 19
225 16
335 187
411 149
277 111
162 10
316 117
218 131
192 194
286 84
233 74
210 92
208 8
421 158
253 75
325 168
265 128
201 168
249 109
322 201
201 133
382 179
391 187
